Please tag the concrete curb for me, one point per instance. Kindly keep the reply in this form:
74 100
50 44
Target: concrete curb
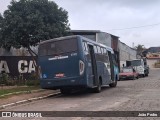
15 93
28 100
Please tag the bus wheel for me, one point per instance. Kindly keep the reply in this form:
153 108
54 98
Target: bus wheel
114 84
65 91
98 88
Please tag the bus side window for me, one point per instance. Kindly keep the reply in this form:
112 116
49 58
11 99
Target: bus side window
99 49
102 50
95 49
84 47
106 52
106 56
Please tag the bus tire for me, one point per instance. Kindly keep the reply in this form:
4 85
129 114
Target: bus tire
98 88
114 84
65 91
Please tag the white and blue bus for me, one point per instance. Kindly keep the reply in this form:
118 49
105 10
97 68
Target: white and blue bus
75 62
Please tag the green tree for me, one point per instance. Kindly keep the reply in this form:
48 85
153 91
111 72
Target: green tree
140 49
1 19
27 22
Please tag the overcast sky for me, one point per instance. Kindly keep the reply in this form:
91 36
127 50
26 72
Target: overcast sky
112 16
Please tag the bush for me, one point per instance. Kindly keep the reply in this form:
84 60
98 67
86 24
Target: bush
33 80
4 78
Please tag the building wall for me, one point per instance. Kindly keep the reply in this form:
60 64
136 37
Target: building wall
115 43
151 62
126 53
122 51
15 66
92 37
153 55
17 52
104 38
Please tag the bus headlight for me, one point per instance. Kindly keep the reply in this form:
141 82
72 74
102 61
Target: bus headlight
81 67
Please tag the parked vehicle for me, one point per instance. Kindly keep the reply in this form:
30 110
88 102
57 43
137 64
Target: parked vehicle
128 73
75 62
146 67
140 65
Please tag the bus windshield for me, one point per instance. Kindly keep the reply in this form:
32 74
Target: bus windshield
58 47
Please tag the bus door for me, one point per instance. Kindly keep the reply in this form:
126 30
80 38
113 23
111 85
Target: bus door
94 65
111 65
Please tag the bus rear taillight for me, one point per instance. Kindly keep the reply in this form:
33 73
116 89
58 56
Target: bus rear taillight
81 67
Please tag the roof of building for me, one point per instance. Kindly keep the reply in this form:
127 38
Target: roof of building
91 32
127 45
86 31
153 50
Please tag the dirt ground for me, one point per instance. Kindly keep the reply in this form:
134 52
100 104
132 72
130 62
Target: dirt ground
24 96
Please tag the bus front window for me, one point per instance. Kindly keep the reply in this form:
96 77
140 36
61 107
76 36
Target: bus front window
58 47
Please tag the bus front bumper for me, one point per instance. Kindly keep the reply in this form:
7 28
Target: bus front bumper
72 82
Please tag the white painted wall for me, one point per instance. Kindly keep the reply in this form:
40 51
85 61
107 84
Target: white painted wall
151 62
126 53
104 38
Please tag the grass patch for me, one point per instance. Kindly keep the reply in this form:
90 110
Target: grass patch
18 89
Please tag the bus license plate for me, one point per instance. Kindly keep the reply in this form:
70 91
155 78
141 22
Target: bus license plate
59 75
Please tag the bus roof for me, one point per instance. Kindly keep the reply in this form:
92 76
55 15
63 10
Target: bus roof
75 36
57 39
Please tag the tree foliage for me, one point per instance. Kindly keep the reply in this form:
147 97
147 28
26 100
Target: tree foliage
1 18
140 49
27 22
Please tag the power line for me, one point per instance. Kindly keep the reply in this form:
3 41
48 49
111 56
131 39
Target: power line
136 27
